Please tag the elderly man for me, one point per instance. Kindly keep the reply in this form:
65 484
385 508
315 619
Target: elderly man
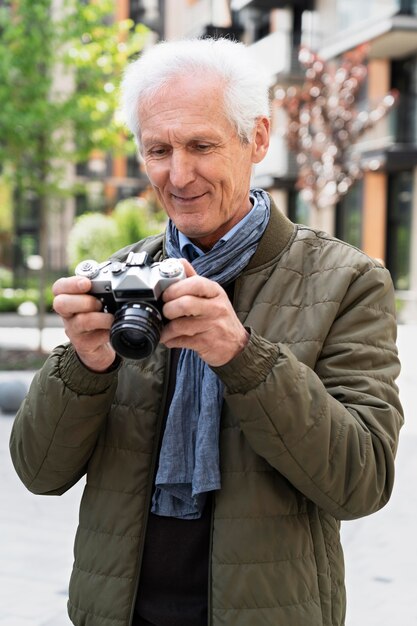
220 466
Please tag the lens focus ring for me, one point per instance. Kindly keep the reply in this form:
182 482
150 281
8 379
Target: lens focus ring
136 330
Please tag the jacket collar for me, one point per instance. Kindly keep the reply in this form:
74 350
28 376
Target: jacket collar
278 235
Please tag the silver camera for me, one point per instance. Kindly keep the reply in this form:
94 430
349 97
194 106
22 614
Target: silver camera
131 291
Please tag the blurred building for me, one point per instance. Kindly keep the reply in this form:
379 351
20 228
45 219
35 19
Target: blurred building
379 214
386 199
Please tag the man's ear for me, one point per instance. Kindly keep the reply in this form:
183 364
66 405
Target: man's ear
260 141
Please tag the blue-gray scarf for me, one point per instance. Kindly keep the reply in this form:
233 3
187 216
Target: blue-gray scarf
189 460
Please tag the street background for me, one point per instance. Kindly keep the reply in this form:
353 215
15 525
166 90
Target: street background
36 533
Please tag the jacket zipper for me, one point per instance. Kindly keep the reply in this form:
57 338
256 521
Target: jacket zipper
210 585
152 474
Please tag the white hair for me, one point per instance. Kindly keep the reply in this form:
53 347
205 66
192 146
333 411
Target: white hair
246 85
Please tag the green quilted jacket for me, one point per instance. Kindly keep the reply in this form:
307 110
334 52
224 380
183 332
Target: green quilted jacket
309 433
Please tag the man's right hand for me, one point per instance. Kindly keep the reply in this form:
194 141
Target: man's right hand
86 326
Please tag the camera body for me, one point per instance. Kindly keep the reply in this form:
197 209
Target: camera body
131 291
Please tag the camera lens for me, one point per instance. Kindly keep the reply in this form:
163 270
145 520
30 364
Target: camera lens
136 330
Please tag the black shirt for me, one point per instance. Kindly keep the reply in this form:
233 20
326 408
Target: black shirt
173 587
173 584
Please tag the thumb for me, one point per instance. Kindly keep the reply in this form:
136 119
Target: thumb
189 270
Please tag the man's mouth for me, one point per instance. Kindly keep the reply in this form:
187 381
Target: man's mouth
187 199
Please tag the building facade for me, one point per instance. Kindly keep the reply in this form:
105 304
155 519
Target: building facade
379 214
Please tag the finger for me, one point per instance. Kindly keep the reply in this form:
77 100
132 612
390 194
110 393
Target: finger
89 322
201 342
195 285
89 342
180 328
200 324
189 270
202 297
215 343
67 305
185 306
72 284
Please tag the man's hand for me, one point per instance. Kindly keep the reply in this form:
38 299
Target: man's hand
86 326
202 319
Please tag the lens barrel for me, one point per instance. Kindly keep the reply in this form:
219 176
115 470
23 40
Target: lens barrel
136 330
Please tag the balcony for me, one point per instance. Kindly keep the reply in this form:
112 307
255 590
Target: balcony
277 55
268 5
392 144
389 26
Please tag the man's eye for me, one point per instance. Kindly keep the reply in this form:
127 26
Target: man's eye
157 151
203 147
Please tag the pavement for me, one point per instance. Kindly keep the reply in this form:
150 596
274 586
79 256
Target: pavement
22 332
36 533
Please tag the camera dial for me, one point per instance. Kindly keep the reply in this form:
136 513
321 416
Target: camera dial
170 268
88 268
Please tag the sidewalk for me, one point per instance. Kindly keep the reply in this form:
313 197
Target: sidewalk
36 533
17 331
381 550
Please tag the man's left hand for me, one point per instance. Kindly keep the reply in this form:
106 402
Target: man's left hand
202 319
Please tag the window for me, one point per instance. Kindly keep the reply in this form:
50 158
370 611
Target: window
298 209
404 79
349 216
400 197
355 12
408 7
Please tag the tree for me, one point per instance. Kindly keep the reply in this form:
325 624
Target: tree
60 63
325 125
96 236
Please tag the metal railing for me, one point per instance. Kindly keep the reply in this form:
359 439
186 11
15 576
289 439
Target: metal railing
352 12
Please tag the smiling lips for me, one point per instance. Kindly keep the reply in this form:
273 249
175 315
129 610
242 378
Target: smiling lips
186 199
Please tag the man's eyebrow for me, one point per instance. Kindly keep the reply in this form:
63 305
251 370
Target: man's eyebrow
151 139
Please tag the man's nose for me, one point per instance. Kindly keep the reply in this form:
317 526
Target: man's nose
181 172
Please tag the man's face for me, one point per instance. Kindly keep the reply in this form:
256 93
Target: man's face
195 160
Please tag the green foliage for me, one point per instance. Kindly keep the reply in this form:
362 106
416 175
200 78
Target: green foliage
97 236
134 220
11 299
6 213
6 278
59 77
93 236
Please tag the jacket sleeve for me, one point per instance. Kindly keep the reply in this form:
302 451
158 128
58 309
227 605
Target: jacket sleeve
57 426
332 432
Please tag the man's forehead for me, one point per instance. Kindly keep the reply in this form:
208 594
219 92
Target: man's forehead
183 92
181 133
184 123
